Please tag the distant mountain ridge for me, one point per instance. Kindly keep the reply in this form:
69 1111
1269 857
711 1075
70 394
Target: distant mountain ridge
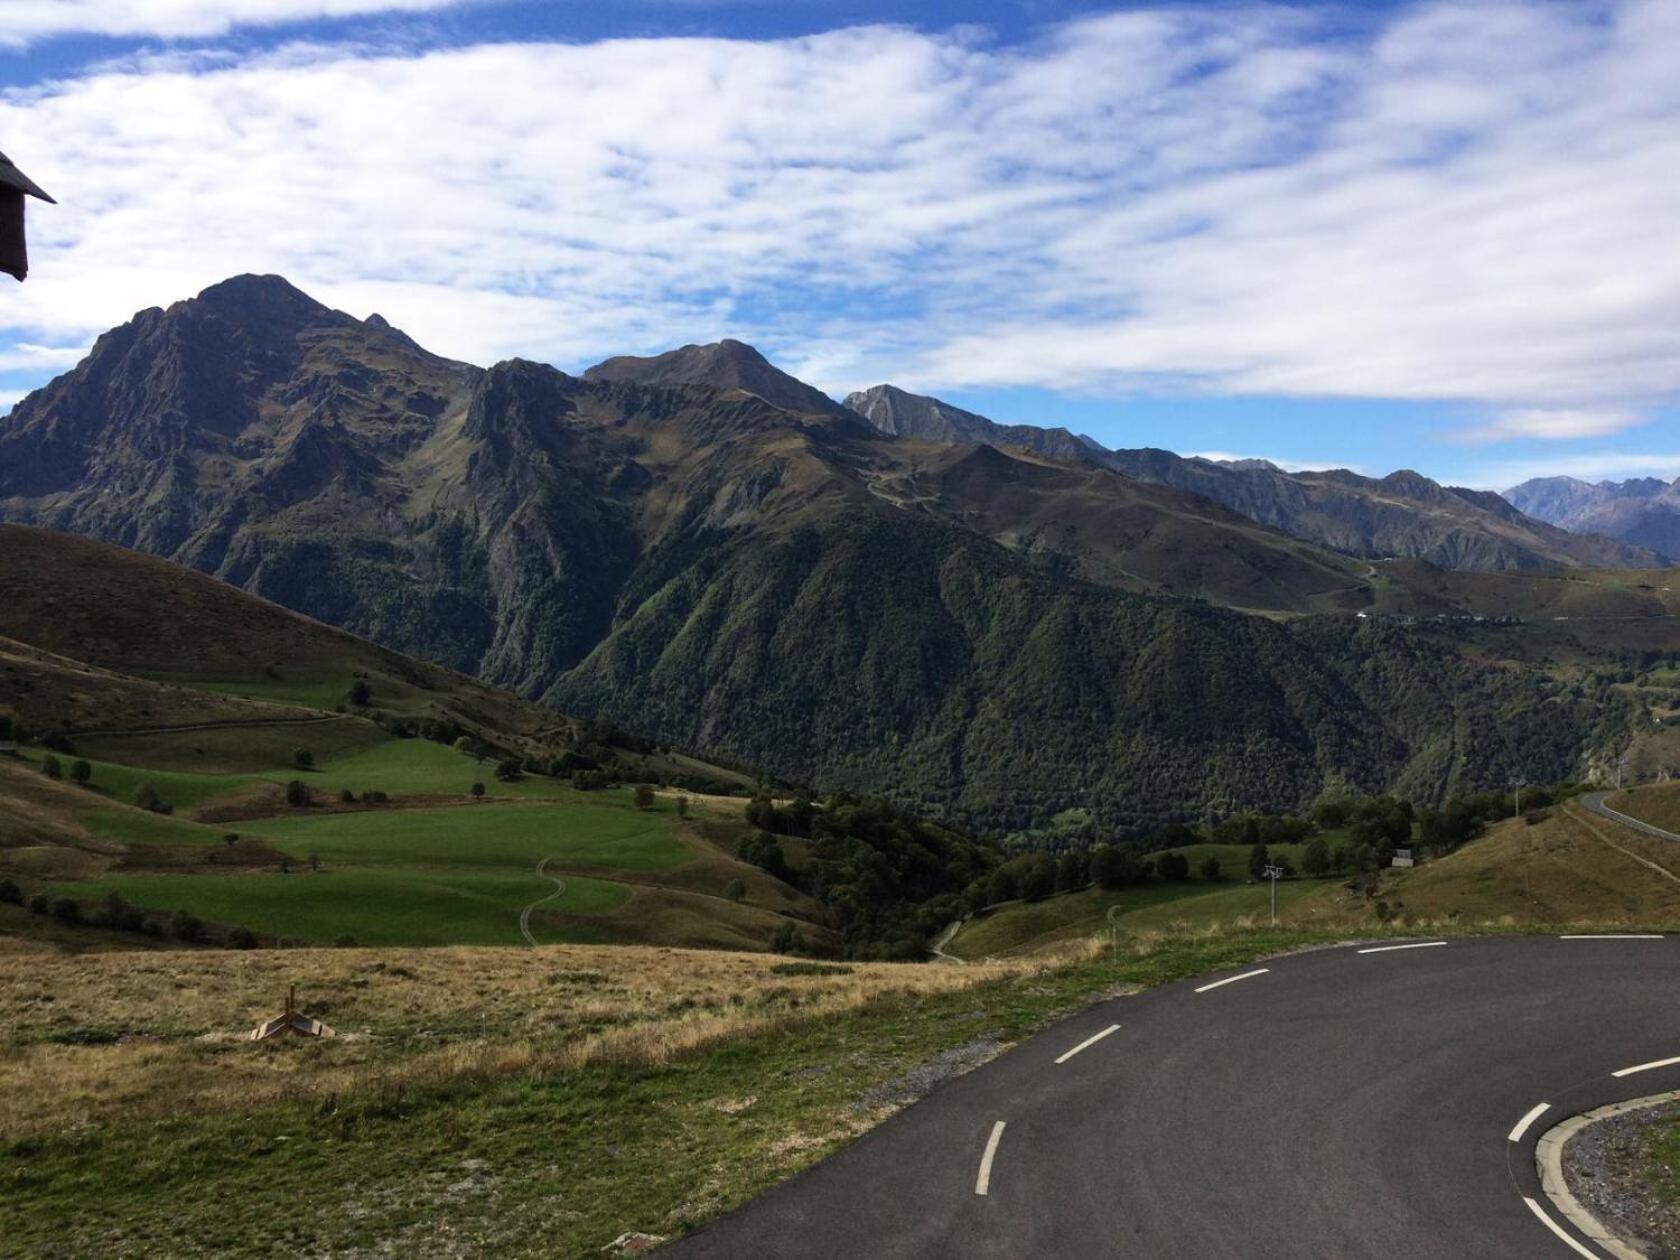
979 631
903 414
1404 515
1644 511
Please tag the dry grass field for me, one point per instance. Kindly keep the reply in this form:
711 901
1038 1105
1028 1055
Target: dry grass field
1658 805
112 1037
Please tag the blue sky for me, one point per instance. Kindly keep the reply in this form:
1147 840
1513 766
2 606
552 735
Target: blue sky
1426 235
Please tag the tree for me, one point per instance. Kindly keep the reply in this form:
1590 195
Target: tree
1259 858
735 889
1001 887
1073 871
185 927
303 759
1210 869
1038 881
1114 868
682 807
643 796
463 744
10 893
478 791
360 693
786 939
66 910
242 938
346 796
81 771
146 796
51 768
1173 866
297 793
230 838
1315 858
507 769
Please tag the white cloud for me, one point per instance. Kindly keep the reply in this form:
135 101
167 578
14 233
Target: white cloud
1476 204
1551 425
23 21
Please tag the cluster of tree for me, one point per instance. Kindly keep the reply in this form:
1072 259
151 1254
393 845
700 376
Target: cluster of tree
886 880
373 796
113 912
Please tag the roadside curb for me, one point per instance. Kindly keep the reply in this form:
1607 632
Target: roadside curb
1548 1161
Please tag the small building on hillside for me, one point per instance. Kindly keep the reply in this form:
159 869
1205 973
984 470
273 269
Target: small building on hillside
14 187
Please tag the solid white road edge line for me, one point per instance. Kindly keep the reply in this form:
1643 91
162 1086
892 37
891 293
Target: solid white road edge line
1088 1043
1619 936
1220 984
1530 1118
983 1183
1646 1067
1557 1229
1389 949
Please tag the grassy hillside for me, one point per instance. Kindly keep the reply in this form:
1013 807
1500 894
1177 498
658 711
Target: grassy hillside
1657 804
1557 871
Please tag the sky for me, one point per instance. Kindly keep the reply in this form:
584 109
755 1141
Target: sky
1439 236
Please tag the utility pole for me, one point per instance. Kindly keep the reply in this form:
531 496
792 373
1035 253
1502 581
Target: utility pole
1620 763
1272 873
1518 785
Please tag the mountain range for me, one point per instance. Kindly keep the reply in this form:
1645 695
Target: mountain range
704 550
1644 511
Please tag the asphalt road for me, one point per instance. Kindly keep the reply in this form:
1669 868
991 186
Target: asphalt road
1340 1104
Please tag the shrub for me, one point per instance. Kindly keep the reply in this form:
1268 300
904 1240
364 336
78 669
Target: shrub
360 693
116 913
303 759
507 770
478 789
242 938
81 771
1174 866
1536 816
643 796
297 793
682 807
65 910
1210 869
51 768
230 838
38 904
346 796
10 893
186 927
735 889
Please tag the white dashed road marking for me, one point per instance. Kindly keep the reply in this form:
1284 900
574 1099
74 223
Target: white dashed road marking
1619 936
1389 949
1557 1229
1526 1121
1247 975
983 1183
1646 1067
1088 1043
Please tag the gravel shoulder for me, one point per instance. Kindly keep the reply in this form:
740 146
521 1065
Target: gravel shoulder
1626 1171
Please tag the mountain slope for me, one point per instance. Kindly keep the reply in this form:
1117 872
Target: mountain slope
1644 511
971 629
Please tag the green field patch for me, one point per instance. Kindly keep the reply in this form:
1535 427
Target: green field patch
382 906
420 765
182 790
234 749
596 835
1062 917
135 826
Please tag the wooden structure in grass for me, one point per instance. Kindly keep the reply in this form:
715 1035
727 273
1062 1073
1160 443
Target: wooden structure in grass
293 1021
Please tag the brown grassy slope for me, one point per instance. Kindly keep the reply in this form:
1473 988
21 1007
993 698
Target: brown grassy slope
120 610
406 1016
1560 871
44 688
1658 805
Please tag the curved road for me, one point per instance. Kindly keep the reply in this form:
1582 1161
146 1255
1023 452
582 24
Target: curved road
525 914
1594 801
1343 1103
